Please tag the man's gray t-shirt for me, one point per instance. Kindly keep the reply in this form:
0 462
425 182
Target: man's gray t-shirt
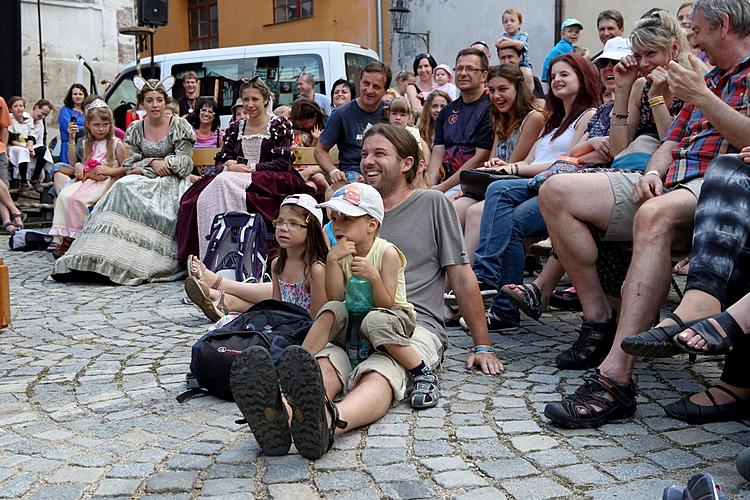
324 102
425 228
346 129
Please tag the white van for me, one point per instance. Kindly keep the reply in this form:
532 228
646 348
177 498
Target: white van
221 71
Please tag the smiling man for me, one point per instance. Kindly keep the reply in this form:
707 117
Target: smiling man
610 24
463 132
348 124
306 88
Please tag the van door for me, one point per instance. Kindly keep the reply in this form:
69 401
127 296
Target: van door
354 64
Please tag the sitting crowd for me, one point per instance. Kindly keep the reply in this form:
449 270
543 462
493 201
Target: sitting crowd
642 146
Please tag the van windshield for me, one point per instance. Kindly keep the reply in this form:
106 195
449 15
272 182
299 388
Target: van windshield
355 63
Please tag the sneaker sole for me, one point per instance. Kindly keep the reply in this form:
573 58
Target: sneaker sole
255 389
302 383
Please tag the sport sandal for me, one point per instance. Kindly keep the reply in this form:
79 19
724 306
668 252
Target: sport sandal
527 297
719 340
657 342
426 391
255 388
598 401
303 388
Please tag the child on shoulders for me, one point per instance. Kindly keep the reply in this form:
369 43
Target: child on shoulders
519 40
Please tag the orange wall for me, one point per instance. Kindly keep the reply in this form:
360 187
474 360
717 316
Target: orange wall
249 22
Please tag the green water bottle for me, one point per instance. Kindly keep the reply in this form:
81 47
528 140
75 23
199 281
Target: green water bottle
359 302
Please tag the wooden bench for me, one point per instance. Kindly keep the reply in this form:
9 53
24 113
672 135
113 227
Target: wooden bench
306 155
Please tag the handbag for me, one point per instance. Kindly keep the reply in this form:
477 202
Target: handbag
474 183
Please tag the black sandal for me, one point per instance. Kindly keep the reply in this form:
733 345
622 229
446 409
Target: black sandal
6 228
302 383
694 414
527 297
21 215
658 342
591 398
255 388
716 342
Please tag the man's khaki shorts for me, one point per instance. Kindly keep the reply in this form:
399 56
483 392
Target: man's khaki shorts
428 347
620 226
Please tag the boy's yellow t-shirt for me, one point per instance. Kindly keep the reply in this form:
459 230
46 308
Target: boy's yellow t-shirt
375 257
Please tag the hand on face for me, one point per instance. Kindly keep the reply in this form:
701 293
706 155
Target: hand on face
658 78
626 72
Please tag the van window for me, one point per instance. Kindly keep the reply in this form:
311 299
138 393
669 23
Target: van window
355 63
219 80
121 96
281 73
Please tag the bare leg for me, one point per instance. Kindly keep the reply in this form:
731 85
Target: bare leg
405 355
567 208
740 311
659 224
319 333
461 205
250 293
7 201
471 228
366 403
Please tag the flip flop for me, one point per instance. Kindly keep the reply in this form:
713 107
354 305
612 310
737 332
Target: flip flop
200 298
255 387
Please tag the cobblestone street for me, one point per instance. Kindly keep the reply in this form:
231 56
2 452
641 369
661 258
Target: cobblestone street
87 409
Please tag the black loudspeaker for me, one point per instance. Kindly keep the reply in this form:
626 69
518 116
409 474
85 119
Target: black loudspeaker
152 12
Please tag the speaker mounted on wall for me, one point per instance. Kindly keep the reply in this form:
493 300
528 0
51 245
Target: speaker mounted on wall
152 12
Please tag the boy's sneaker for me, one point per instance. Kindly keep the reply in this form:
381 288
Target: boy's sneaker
486 290
494 324
426 390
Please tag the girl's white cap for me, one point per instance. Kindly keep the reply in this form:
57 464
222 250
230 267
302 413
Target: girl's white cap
307 202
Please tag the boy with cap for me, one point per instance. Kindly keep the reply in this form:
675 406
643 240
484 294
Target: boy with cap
357 213
569 34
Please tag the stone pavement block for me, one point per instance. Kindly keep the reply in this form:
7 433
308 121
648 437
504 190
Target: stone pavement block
629 472
407 490
189 462
458 479
71 491
642 444
341 480
726 450
395 472
286 469
607 454
381 429
533 442
674 459
691 436
17 486
442 464
385 442
117 487
432 448
507 469
359 494
338 460
482 494
553 458
519 427
649 488
227 486
381 456
131 470
583 474
535 488
296 491
485 448
171 481
69 474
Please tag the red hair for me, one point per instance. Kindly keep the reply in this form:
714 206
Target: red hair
589 94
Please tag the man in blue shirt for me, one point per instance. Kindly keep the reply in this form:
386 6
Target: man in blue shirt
569 33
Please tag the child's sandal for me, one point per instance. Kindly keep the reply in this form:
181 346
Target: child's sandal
426 392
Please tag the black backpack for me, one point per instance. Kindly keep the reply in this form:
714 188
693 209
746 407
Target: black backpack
27 239
272 324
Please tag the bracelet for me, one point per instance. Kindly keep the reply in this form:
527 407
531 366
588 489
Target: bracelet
514 169
652 172
620 116
655 101
487 349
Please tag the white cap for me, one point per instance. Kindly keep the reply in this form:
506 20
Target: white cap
307 202
616 48
355 200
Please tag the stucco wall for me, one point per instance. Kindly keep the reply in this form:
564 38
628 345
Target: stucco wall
454 25
69 28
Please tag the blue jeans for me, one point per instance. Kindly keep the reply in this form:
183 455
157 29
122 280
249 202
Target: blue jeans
511 213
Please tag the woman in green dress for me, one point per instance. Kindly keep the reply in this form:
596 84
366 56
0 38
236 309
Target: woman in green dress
129 236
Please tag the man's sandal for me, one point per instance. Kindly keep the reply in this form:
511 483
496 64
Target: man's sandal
719 340
426 392
598 401
20 215
658 342
8 228
695 414
303 387
255 387
527 297
199 294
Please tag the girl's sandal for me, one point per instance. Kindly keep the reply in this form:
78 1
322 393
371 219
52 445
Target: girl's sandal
6 229
200 297
719 340
527 297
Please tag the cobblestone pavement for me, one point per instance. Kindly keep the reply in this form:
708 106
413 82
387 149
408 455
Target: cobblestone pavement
88 376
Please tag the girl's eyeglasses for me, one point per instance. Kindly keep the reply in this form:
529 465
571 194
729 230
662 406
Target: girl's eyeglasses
290 226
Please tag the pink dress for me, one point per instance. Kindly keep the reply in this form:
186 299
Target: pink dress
75 199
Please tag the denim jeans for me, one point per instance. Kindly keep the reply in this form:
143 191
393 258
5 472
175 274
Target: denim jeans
511 213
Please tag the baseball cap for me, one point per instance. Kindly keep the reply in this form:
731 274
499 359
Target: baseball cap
616 48
307 202
571 21
355 200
